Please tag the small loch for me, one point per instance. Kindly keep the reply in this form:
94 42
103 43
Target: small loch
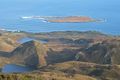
13 68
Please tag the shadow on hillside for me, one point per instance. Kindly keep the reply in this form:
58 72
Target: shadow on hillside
5 54
61 56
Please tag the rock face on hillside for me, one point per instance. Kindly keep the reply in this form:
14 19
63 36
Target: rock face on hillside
31 53
107 52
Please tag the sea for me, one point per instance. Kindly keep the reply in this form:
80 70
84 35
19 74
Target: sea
12 11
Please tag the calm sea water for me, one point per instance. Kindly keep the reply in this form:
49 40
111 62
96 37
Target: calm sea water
12 10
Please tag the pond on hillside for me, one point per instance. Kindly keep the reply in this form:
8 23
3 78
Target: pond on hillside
13 68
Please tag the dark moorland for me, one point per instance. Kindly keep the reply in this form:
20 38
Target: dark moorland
66 55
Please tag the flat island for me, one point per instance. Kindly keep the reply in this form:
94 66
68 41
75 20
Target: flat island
72 19
64 19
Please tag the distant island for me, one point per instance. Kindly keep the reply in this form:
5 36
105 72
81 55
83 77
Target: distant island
64 19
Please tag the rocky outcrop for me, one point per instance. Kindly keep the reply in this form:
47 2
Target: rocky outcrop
107 52
31 53
35 54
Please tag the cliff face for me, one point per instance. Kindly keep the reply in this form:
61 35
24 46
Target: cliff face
31 53
106 52
35 54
